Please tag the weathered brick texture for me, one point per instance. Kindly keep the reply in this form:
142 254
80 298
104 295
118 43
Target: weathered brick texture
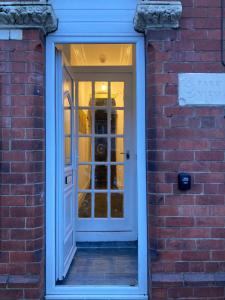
186 228
22 167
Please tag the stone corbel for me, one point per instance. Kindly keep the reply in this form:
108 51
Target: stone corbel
157 15
24 15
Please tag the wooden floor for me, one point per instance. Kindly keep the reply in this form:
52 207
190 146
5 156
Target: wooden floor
111 263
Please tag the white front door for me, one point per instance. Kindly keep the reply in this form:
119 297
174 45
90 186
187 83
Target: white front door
65 178
105 157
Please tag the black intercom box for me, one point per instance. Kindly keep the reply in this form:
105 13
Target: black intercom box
184 181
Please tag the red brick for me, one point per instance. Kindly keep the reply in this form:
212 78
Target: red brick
196 34
210 155
195 166
12 246
195 13
212 267
26 167
14 294
195 255
168 232
179 155
218 233
34 245
210 200
193 144
218 255
180 244
209 292
210 244
193 211
13 156
207 3
217 211
182 266
196 266
12 222
4 257
170 255
32 294
27 145
179 200
165 210
179 221
210 222
211 188
209 178
195 233
178 293
13 179
25 257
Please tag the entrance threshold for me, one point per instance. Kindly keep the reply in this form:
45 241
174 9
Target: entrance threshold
96 297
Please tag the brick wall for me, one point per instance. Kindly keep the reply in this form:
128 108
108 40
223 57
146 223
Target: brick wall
186 228
22 167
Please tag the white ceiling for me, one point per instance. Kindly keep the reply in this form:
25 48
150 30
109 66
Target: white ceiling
100 54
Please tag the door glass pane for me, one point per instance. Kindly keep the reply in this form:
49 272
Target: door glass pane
117 93
101 149
84 205
84 177
66 101
117 205
117 150
67 82
100 205
67 121
101 124
101 177
84 121
84 93
101 93
67 150
117 177
117 121
84 149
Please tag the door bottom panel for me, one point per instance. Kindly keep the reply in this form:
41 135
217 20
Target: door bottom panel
105 236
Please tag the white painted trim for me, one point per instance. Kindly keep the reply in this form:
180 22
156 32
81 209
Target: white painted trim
109 236
96 297
63 260
95 292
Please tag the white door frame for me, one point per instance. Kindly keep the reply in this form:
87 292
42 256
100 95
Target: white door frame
54 291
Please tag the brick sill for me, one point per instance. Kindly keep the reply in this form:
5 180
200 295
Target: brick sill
13 281
184 279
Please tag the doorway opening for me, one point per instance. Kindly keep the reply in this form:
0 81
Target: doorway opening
98 194
97 239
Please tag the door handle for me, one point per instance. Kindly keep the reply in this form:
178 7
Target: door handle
127 154
68 179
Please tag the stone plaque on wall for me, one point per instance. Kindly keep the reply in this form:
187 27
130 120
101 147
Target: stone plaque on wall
201 89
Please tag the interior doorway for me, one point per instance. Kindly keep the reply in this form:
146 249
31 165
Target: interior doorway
98 242
105 156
